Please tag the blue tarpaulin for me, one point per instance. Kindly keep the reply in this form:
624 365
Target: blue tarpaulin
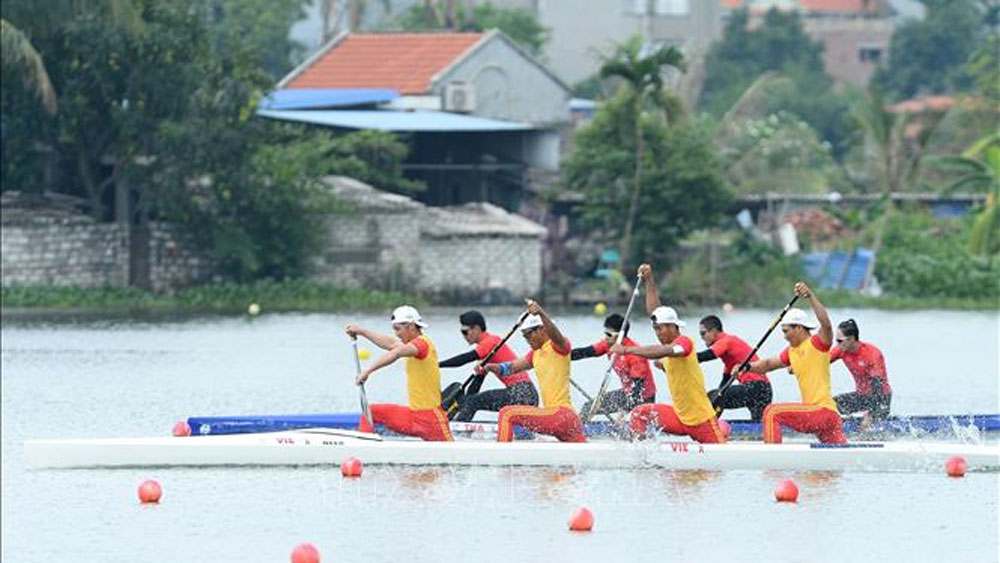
315 98
838 269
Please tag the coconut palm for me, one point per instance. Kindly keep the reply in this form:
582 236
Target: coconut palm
979 171
642 73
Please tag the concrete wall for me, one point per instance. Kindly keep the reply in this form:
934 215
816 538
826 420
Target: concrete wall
843 39
508 86
481 264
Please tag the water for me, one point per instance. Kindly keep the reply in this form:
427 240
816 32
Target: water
96 377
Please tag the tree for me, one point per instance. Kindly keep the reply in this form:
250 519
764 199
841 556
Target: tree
520 25
642 77
263 25
684 188
978 169
927 56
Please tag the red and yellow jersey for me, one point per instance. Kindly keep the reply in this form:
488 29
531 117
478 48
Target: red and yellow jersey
687 384
810 361
866 364
631 370
504 354
423 377
552 370
732 350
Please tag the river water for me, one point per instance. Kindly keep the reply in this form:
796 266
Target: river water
107 376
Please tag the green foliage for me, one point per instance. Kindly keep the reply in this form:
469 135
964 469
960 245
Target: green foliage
374 157
684 189
928 257
225 297
779 45
983 69
778 153
928 56
519 24
264 25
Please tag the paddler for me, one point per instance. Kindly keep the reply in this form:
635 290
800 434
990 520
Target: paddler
692 413
864 360
809 357
424 417
518 388
752 390
550 357
636 378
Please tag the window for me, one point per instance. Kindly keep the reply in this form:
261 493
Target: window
672 7
869 53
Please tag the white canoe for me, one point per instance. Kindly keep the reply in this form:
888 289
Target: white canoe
331 447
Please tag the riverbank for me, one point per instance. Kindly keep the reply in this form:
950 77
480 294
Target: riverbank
219 298
319 297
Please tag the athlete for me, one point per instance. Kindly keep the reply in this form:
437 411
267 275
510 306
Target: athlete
518 388
550 357
809 357
872 393
423 417
692 413
636 378
753 390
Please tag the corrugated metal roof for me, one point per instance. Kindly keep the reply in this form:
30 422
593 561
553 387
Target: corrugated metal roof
306 98
412 121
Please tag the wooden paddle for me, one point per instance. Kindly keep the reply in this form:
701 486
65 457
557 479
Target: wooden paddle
717 400
366 410
455 392
596 404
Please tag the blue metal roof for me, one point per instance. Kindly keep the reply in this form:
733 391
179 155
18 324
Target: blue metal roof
305 98
409 121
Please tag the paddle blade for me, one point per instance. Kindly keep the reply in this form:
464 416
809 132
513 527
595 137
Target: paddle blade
451 397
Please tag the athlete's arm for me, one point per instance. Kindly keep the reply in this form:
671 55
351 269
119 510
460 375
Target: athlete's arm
651 352
400 351
383 341
507 368
460 359
825 326
763 366
652 292
706 355
583 353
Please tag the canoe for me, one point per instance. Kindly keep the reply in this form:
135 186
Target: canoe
892 426
332 446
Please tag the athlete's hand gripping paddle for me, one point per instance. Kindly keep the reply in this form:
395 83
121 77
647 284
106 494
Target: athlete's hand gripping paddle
366 410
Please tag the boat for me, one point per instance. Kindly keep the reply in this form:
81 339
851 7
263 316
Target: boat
323 446
891 426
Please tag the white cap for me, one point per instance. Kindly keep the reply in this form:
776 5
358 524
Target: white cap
407 314
531 321
666 316
796 316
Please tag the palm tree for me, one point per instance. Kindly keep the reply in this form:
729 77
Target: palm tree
897 142
642 74
979 169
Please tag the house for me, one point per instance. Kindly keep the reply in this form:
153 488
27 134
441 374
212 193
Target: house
855 33
479 112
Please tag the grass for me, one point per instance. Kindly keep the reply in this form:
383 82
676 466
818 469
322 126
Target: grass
225 297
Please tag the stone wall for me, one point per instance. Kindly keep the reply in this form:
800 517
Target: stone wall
506 268
68 251
174 261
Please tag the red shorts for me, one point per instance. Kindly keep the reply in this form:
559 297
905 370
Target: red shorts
665 418
809 419
430 424
561 422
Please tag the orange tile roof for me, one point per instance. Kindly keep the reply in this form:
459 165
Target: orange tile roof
402 61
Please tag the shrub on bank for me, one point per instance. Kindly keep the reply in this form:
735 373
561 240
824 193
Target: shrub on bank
226 297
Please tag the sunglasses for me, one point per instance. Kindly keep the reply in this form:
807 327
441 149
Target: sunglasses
610 334
840 340
464 330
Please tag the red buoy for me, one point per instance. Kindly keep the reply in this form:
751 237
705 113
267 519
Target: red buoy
727 430
955 466
582 520
305 553
351 467
182 428
150 491
786 491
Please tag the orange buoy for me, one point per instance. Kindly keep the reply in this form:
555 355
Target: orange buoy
582 520
727 430
182 428
305 553
786 491
955 466
150 491
351 467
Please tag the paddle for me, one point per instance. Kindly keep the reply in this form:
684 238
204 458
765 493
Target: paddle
366 410
455 392
591 399
596 404
746 362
